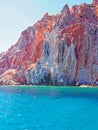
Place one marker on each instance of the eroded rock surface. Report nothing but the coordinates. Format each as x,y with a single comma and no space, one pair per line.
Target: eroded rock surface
57,50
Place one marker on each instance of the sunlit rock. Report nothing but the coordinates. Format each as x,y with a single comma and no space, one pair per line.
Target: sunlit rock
57,50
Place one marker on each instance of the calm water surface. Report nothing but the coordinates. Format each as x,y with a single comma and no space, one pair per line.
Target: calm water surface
48,108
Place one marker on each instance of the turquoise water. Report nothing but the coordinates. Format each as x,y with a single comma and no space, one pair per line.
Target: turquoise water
48,108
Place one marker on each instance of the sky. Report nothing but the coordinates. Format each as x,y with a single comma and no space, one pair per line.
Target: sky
17,15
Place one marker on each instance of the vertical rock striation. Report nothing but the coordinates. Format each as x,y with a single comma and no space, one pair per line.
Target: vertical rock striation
57,50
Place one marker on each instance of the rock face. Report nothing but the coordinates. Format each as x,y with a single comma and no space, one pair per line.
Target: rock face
57,50
95,1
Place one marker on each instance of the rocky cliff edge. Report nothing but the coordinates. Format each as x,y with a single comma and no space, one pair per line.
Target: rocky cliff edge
57,50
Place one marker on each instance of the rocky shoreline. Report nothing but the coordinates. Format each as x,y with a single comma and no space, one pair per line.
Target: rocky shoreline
25,85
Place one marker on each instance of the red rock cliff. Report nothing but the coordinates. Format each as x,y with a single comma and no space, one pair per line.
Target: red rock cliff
57,50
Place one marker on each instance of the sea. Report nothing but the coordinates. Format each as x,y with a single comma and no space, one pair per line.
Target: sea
48,108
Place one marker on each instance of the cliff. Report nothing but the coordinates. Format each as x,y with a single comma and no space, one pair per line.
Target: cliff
57,50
